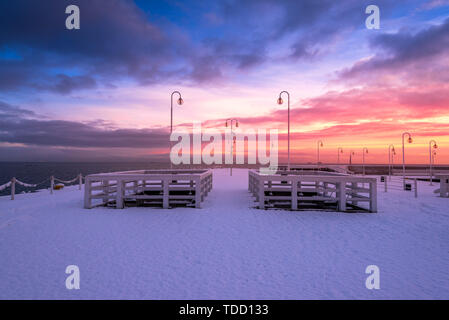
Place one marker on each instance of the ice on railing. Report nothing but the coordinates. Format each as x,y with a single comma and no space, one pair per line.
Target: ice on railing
5,186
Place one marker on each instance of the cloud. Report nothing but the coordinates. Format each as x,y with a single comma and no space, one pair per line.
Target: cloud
65,84
349,118
120,41
311,24
115,41
21,126
405,55
75,134
8,111
432,4
354,106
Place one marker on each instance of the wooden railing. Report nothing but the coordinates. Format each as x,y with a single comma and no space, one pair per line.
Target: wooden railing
321,190
164,188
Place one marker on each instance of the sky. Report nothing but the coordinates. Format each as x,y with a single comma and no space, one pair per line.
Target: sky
103,92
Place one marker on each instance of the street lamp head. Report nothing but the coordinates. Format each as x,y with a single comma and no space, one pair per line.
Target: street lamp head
321,143
341,150
366,150
236,123
280,101
410,140
435,146
180,101
226,124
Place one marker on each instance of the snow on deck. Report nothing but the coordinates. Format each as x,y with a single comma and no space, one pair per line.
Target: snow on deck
227,250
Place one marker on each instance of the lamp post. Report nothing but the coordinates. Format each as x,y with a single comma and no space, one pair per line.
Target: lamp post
365,150
410,140
350,156
280,101
432,143
391,154
339,150
433,158
180,102
318,145
231,121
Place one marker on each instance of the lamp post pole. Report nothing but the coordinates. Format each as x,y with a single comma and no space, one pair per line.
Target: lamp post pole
231,121
365,150
339,150
350,156
180,102
280,101
318,145
391,153
410,140
431,142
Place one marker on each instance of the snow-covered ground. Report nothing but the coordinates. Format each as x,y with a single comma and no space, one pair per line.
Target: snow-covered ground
227,250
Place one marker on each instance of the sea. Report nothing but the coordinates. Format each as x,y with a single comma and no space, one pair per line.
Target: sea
40,172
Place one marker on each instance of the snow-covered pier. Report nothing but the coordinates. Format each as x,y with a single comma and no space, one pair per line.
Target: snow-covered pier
226,250
166,188
313,190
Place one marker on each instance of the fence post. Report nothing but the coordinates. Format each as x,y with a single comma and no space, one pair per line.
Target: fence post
87,194
294,186
342,196
165,193
261,190
119,194
198,192
373,195
136,186
80,181
105,184
13,188
250,182
52,184
385,183
416,188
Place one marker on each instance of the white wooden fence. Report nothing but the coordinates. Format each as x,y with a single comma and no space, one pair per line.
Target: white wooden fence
444,185
164,188
296,190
